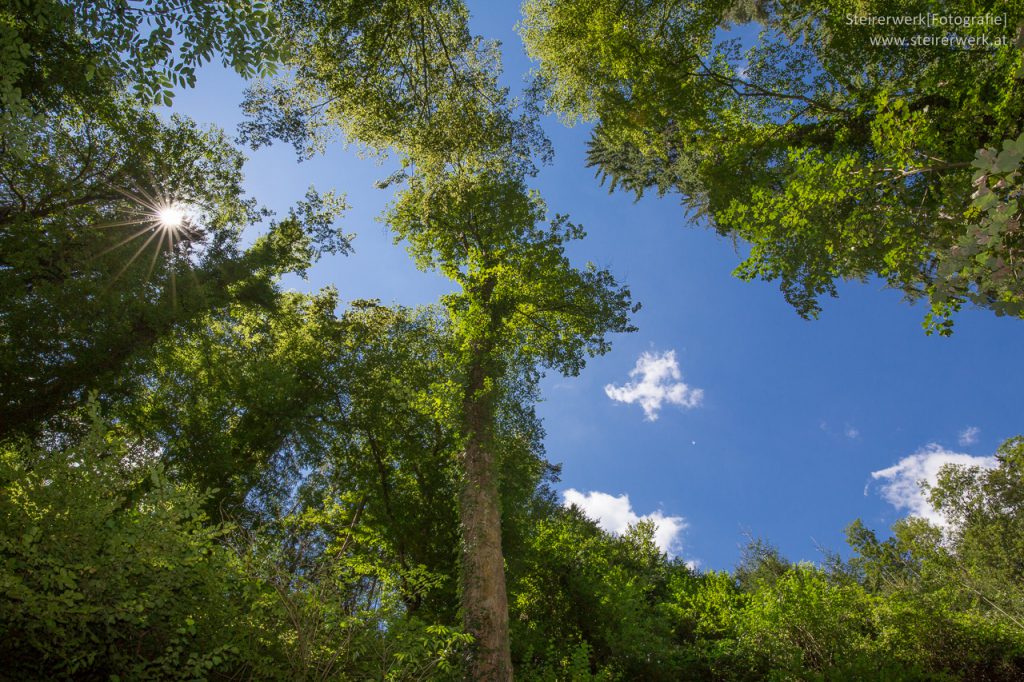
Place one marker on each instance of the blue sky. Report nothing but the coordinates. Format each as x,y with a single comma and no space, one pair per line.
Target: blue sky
794,416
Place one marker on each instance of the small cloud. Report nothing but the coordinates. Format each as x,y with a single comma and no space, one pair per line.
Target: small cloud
902,487
656,379
969,436
615,514
848,431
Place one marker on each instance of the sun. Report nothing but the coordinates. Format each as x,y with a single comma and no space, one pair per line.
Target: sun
165,223
170,217
159,219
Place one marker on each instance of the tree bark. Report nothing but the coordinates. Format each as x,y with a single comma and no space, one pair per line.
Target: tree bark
484,599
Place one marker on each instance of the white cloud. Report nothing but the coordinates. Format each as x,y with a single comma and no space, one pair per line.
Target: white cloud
615,514
969,436
848,431
656,379
902,487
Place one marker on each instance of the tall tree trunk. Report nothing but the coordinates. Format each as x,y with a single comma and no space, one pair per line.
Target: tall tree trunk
484,600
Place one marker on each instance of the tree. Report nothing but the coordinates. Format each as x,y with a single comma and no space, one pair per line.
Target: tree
100,580
78,53
93,276
976,553
117,227
952,593
521,303
242,400
591,605
985,512
397,76
93,587
834,157
410,78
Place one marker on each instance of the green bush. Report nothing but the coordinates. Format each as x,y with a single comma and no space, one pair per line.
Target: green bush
108,570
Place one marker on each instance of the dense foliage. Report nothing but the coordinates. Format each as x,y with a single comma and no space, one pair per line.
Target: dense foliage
791,127
203,476
104,576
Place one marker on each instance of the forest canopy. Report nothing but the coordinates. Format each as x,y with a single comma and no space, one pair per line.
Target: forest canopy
790,127
206,475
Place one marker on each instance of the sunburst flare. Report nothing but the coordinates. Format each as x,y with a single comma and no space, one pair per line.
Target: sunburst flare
171,217
164,222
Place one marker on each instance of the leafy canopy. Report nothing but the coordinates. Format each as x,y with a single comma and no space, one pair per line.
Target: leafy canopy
831,156
77,50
